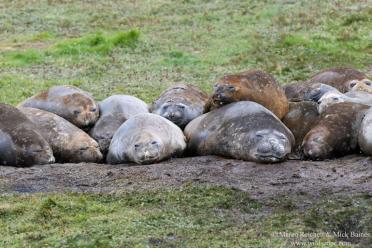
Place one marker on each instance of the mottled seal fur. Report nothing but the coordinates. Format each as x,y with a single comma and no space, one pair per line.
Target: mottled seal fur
339,78
336,133
20,142
254,85
114,111
243,130
69,143
144,139
365,134
302,116
180,104
69,102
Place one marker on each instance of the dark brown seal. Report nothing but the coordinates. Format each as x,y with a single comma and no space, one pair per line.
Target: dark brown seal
69,102
302,116
254,85
242,130
180,104
336,133
68,142
339,78
20,142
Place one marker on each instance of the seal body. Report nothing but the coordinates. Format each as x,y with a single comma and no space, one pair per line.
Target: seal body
331,98
254,85
69,102
365,134
361,85
144,139
20,142
339,78
302,116
243,130
180,104
114,111
336,133
316,91
68,142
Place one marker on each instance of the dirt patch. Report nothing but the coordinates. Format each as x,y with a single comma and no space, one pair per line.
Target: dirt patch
348,175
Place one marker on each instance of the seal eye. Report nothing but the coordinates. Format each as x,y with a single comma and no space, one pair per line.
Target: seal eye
368,83
93,110
259,136
231,88
335,98
136,146
76,112
154,142
352,84
181,107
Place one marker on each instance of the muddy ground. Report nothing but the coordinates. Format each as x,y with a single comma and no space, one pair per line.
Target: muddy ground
346,176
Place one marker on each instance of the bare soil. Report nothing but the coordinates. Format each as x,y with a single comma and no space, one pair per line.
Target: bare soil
348,175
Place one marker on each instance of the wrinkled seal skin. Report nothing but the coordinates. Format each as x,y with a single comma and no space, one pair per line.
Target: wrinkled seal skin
242,130
331,98
336,133
69,102
20,142
339,78
68,142
365,134
254,85
302,116
361,85
115,110
145,139
180,104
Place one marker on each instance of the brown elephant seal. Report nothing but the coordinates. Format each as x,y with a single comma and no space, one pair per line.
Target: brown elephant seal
180,104
241,130
69,102
361,85
68,142
144,139
20,142
302,116
365,134
331,98
339,78
114,111
254,85
336,133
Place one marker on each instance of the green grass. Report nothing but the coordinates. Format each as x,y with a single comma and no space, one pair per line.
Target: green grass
190,216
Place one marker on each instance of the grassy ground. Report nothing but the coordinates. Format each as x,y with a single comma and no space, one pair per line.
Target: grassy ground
140,48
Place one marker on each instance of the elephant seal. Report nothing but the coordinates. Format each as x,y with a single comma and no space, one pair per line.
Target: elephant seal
254,85
68,142
69,102
336,133
316,91
331,98
180,104
114,111
339,78
361,85
144,139
242,130
365,134
302,116
20,142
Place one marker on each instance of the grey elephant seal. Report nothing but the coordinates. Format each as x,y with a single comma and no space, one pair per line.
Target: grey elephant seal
114,111
180,104
302,116
331,98
242,130
336,133
365,134
316,91
254,85
144,139
339,78
20,142
68,142
69,102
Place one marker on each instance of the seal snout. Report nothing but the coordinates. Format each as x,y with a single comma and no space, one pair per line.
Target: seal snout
146,153
270,148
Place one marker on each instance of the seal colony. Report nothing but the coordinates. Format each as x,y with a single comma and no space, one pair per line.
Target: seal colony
248,116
